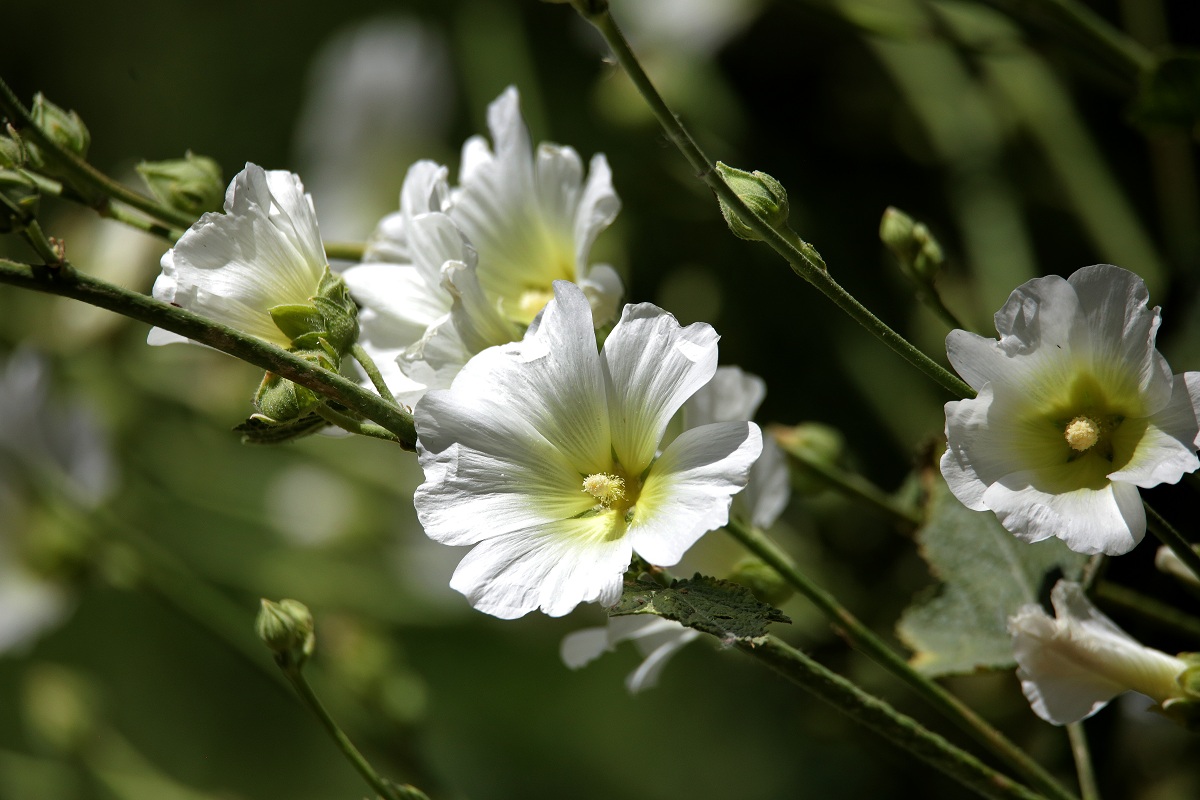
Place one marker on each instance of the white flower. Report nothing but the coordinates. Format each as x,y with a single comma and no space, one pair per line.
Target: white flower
458,270
1076,410
544,455
264,251
1072,665
733,395
656,638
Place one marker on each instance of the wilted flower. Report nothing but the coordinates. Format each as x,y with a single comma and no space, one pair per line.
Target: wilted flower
544,455
1076,410
265,251
1072,665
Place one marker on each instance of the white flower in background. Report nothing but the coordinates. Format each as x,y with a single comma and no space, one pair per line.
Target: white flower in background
1076,410
60,448
264,251
1072,665
544,455
432,298
656,638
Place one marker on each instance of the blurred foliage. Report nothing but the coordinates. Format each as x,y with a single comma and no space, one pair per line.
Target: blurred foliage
1011,141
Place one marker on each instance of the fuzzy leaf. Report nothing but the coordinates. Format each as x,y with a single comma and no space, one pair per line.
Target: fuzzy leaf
722,608
960,626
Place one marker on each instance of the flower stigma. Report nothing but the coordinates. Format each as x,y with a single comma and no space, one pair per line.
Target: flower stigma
606,488
530,303
1082,433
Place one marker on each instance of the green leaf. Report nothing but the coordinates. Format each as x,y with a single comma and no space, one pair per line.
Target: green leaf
262,430
722,608
987,574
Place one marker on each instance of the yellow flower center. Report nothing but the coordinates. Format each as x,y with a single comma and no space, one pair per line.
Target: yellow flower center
606,488
1082,433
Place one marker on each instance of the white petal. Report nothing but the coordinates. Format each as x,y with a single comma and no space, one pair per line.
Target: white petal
689,488
580,648
597,208
28,608
553,567
604,290
558,178
732,395
479,323
1039,314
647,673
769,487
1166,448
1034,505
398,304
652,367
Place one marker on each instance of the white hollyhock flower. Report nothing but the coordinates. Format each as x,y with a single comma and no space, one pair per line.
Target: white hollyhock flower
1071,665
263,251
458,270
656,638
1076,410
544,455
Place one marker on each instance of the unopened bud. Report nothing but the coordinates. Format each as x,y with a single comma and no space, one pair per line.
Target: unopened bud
19,203
192,184
764,195
813,446
280,400
287,630
912,244
65,128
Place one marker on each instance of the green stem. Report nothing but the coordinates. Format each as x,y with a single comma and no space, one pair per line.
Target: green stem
352,425
931,298
1088,788
865,641
803,260
1161,614
89,181
1167,534
853,485
79,286
368,364
385,788
345,251
880,717
32,233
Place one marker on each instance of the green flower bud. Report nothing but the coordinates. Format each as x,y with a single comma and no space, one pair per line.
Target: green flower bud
761,579
287,630
280,400
65,128
810,443
192,184
339,311
764,195
12,153
912,244
19,198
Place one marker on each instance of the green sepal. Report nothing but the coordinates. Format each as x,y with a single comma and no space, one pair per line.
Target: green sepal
764,195
259,429
280,400
722,608
286,628
20,200
192,184
339,311
920,254
296,319
64,128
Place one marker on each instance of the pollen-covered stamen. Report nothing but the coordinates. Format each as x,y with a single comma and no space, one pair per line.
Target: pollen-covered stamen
1082,433
606,488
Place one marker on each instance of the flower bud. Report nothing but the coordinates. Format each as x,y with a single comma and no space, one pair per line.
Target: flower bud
339,311
280,400
810,444
762,579
65,128
20,200
912,244
192,184
12,154
287,630
764,195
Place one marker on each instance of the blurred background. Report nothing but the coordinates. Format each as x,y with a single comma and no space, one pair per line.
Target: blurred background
137,533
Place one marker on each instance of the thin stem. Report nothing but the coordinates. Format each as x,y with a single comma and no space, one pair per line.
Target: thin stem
880,717
1167,534
1088,788
352,425
368,364
79,286
865,641
345,251
854,485
385,788
151,227
928,294
1155,611
89,181
803,259
32,233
